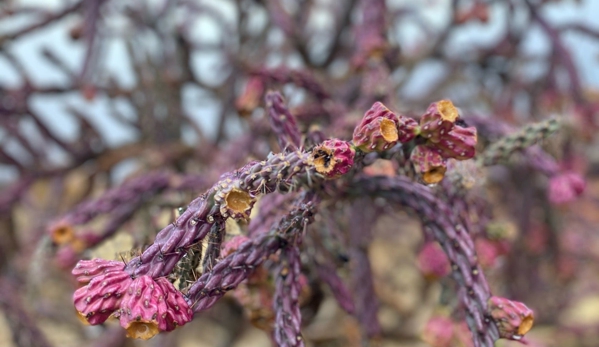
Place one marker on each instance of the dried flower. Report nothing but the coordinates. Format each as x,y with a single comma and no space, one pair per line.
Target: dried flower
438,120
429,164
234,201
333,158
459,143
513,318
380,129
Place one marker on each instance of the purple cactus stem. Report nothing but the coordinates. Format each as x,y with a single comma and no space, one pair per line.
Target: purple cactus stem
21,324
270,208
288,318
280,172
429,164
438,120
230,271
132,192
342,294
432,261
565,188
513,318
453,238
380,129
282,122
362,279
333,158
233,244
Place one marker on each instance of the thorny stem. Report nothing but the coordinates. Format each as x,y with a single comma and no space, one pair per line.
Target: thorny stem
236,267
278,173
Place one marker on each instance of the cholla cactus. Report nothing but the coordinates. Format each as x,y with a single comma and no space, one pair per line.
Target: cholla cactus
146,302
287,135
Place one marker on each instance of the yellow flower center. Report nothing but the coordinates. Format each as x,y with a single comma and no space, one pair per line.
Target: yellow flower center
389,130
447,110
238,201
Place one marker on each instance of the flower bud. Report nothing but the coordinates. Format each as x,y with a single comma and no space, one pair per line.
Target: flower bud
333,158
381,129
430,165
438,120
513,318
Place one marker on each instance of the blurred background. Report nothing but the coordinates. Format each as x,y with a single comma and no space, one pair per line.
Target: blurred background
162,96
